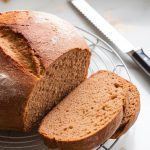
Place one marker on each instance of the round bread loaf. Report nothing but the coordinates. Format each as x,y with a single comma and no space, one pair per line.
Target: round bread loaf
42,59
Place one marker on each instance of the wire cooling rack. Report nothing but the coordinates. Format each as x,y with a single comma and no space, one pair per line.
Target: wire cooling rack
103,57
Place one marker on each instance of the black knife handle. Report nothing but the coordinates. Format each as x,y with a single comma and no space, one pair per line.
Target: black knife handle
142,60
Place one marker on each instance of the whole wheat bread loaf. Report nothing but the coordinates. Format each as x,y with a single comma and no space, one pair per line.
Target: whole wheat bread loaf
88,116
42,58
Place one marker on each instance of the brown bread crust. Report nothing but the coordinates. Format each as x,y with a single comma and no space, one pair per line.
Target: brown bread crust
14,90
49,37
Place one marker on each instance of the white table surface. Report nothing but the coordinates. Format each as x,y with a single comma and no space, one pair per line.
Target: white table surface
132,19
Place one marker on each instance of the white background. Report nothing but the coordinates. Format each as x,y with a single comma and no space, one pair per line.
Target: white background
132,19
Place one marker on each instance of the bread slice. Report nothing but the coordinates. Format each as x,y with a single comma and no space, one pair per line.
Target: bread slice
131,110
131,104
42,59
88,116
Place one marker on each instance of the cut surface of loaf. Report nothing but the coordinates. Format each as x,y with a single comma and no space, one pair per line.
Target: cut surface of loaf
42,58
88,116
67,72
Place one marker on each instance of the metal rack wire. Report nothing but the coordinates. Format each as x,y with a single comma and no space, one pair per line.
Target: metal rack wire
104,57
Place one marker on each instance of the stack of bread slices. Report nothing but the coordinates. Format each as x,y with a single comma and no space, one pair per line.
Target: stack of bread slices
43,68
102,107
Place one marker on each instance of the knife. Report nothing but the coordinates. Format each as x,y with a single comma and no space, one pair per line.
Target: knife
113,35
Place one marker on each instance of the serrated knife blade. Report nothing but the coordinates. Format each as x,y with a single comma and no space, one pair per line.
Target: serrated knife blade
113,35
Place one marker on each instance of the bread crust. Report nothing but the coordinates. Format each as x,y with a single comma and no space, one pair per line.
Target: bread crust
89,142
14,90
49,37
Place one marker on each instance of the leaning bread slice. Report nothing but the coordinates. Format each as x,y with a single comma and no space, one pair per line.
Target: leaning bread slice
88,116
131,111
131,104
